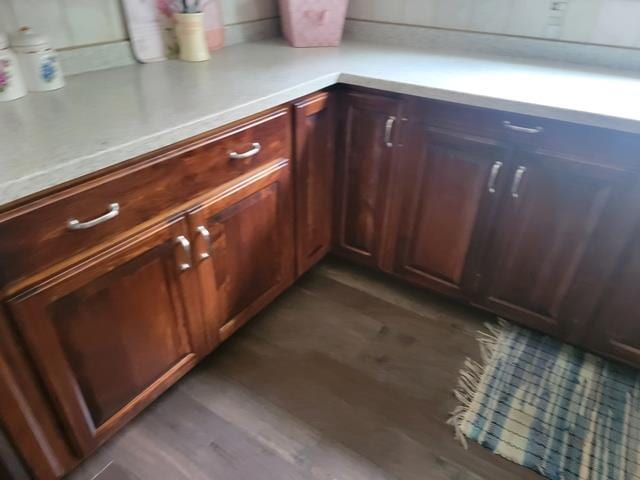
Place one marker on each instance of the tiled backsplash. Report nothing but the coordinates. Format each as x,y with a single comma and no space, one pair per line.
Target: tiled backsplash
74,23
604,22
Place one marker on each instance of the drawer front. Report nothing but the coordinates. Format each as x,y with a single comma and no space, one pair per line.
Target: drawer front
38,235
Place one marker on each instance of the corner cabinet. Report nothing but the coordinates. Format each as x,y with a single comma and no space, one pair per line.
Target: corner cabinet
370,128
244,248
111,334
314,136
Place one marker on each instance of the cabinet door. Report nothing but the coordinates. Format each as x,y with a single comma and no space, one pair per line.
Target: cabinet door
447,188
616,329
314,147
554,209
370,131
245,247
109,335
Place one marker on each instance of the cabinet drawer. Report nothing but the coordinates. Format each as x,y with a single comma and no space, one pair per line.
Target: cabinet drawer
37,235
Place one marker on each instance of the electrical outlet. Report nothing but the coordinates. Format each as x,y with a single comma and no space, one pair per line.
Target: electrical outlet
555,18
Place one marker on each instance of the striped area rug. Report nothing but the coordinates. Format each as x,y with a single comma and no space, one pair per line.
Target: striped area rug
553,408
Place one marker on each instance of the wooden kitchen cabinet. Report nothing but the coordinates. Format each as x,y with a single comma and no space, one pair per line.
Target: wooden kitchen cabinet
109,335
314,134
445,194
547,220
370,129
244,247
615,329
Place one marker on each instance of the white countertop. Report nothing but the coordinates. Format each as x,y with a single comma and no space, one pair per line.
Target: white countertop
102,118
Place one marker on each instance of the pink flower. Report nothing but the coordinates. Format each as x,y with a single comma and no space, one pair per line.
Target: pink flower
164,7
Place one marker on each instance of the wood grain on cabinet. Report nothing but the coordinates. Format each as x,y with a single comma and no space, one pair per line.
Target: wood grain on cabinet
245,247
11,467
35,236
548,218
615,329
26,413
370,129
445,195
109,335
314,135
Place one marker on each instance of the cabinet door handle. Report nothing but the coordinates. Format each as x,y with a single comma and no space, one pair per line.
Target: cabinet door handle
75,224
388,130
255,149
493,176
517,180
519,129
204,233
186,249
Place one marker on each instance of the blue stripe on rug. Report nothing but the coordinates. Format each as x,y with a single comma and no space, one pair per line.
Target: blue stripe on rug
550,407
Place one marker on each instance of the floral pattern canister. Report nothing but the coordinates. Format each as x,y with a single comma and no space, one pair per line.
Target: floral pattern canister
11,83
48,68
38,60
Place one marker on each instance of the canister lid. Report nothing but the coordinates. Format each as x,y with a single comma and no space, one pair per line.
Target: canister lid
4,41
27,38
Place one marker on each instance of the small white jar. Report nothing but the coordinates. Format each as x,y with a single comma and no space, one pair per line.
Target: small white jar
12,84
39,62
191,37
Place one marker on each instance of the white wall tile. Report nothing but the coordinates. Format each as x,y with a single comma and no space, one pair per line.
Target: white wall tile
528,18
580,20
453,13
618,23
419,12
94,21
46,17
8,21
491,15
238,11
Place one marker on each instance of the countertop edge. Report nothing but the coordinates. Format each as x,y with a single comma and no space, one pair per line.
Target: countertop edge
17,189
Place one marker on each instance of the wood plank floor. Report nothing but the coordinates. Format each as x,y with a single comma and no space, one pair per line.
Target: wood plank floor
347,376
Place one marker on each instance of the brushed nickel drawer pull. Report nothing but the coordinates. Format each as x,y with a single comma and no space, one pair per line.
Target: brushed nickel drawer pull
493,176
388,130
517,180
75,224
186,248
519,129
207,239
255,149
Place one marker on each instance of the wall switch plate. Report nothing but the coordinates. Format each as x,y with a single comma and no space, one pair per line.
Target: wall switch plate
555,18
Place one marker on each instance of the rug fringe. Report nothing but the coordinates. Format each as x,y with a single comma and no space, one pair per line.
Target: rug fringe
471,376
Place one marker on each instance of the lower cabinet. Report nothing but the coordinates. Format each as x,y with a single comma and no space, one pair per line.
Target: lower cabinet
615,330
370,128
244,247
445,193
550,213
314,120
111,334
514,214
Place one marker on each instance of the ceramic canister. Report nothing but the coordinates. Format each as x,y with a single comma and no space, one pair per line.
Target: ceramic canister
12,84
191,37
39,62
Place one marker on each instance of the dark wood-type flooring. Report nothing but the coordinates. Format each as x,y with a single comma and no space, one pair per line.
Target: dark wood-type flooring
347,376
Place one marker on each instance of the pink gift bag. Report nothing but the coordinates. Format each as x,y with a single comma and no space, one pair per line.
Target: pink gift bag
313,23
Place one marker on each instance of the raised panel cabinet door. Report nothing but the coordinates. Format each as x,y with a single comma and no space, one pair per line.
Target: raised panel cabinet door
447,188
554,208
616,327
244,247
368,134
109,335
314,149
